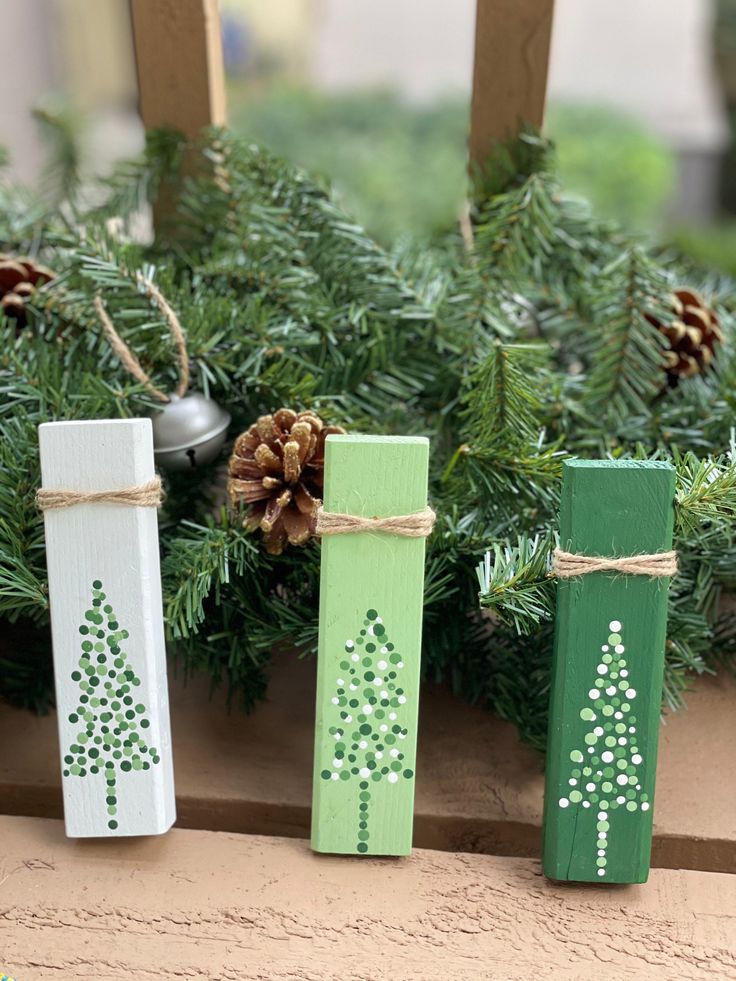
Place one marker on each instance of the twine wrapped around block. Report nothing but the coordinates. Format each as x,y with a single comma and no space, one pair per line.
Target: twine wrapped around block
566,565
148,495
416,525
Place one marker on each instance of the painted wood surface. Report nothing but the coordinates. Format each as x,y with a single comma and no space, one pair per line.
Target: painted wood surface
107,631
512,41
607,675
181,81
202,905
178,52
371,592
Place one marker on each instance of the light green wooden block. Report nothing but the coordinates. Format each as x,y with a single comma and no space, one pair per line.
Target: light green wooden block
371,594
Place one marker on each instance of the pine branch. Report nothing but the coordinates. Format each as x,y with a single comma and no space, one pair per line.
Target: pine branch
689,638
510,674
504,455
626,359
517,228
706,491
135,184
61,130
197,567
721,652
503,402
515,582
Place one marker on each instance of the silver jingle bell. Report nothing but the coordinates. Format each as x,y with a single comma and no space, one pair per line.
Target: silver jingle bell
188,432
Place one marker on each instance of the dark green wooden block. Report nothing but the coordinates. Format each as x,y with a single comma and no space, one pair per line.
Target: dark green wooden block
607,675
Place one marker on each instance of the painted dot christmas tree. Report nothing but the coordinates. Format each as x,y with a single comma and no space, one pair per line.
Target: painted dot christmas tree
370,734
109,715
606,774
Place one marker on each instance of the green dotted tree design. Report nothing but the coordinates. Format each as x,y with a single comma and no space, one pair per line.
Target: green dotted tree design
607,773
108,714
369,737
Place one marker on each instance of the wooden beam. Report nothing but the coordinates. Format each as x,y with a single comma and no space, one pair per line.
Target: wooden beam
478,789
512,40
178,52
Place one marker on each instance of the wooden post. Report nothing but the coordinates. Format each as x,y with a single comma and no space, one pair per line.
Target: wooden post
607,674
371,599
107,631
178,53
181,79
512,39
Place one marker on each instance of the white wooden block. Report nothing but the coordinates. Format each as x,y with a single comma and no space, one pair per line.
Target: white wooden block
108,636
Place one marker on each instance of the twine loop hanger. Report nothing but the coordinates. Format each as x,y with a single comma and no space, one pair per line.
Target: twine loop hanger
150,494
128,359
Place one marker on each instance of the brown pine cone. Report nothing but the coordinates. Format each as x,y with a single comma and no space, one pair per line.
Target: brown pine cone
277,467
693,334
19,278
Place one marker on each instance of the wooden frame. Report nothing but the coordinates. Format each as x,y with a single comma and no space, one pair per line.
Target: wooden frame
181,77
512,41
178,53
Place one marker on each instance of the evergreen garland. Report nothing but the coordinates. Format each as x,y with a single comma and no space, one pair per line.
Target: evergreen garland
533,343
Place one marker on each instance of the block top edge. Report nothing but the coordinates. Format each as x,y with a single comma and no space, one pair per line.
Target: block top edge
76,423
577,464
386,440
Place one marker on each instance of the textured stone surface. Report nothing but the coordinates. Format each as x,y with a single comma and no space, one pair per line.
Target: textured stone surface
216,906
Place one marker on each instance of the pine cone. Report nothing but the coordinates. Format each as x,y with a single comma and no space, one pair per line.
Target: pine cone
277,467
693,334
19,278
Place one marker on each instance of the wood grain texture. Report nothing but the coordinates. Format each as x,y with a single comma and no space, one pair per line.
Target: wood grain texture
478,789
371,593
107,628
220,907
512,39
607,674
181,78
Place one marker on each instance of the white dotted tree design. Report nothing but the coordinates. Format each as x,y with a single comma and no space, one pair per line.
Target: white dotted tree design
369,737
606,773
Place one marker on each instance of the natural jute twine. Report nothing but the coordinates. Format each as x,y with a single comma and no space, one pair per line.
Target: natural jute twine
569,564
128,358
147,495
417,525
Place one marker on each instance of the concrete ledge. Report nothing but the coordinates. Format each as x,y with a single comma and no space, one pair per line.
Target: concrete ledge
215,906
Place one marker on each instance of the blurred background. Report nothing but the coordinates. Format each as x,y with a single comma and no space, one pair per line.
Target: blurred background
375,97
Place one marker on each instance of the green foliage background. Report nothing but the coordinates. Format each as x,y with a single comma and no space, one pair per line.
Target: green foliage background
530,344
400,168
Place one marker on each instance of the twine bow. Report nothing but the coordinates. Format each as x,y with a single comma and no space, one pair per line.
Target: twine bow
417,525
569,564
148,495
